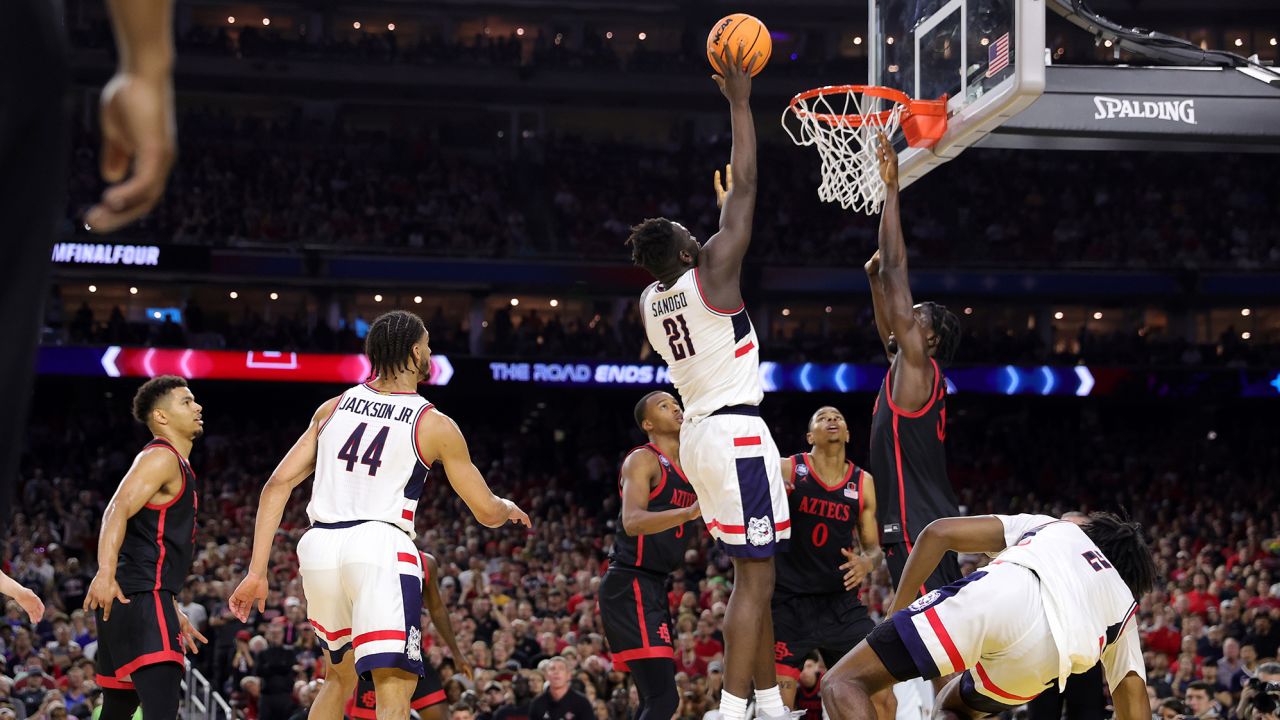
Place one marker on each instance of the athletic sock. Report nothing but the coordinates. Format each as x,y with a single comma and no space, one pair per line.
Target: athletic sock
769,702
733,707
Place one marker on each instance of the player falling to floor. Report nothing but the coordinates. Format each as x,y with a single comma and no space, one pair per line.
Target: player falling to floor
909,423
428,697
833,511
145,548
695,318
1057,598
370,449
658,507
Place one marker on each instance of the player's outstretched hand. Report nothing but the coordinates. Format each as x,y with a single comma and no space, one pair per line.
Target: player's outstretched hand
722,190
519,516
138,134
188,634
855,569
733,74
30,602
102,592
252,588
888,158
464,667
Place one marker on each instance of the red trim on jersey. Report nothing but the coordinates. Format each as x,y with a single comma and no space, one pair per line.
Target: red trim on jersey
933,392
944,637
902,495
408,558
644,629
674,465
848,473
376,636
417,450
429,700
662,483
744,349
160,557
639,550
154,658
107,681
742,529
745,441
986,683
406,514
182,467
380,392
164,626
702,296
645,653
862,476
332,412
330,636
786,671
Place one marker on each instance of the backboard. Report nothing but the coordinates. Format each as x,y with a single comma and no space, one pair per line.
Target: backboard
986,56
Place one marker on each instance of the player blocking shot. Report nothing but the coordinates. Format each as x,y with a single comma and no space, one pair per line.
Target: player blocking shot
835,545
1056,599
695,318
370,449
658,505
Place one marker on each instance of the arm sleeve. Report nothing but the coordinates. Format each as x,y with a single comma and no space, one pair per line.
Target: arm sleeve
1123,657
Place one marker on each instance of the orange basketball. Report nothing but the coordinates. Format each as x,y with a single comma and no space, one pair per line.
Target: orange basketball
740,26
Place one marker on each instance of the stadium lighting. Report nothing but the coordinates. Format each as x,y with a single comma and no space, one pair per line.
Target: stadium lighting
356,25
985,42
274,296
391,27
828,309
1246,335
233,294
266,21
515,302
554,303
608,35
786,312
417,299
231,19
93,288
643,36
559,38
1245,312
1273,42
520,32
1097,316
857,39
133,291
968,311
377,298
1239,42
1058,315
1213,435
156,315
889,40
1106,43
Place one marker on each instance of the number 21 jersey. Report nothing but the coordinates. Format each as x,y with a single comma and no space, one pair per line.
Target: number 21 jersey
368,463
712,353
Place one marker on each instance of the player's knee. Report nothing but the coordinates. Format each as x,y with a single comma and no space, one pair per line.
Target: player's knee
754,576
842,683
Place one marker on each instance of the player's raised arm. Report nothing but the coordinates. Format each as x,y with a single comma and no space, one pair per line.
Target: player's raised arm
639,473
297,465
434,604
872,267
151,470
722,256
861,564
442,434
961,534
897,301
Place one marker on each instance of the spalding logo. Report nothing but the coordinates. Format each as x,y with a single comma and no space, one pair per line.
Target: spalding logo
928,599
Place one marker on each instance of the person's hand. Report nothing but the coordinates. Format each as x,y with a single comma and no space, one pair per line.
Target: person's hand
462,665
856,569
516,515
888,158
252,587
722,190
733,75
873,265
693,512
29,601
139,144
188,635
102,592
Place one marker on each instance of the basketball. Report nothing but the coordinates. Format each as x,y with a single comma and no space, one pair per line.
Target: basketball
740,26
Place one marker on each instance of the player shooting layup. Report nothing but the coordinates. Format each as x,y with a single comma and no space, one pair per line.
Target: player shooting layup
370,449
695,318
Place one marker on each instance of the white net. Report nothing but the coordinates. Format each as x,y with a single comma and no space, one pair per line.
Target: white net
845,142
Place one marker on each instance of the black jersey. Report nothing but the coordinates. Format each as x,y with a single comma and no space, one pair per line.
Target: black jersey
661,552
909,463
824,519
160,539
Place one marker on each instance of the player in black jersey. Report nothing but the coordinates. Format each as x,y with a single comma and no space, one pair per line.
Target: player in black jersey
909,422
658,505
835,544
144,557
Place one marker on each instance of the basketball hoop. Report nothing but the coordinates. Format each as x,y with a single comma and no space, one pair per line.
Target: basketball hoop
843,120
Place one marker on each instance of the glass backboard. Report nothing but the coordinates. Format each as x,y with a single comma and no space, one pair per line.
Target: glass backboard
985,56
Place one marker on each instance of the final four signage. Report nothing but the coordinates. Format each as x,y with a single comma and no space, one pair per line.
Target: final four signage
105,254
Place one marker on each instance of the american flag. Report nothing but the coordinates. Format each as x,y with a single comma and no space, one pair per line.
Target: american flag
998,55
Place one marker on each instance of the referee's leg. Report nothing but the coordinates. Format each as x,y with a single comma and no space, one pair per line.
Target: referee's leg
33,165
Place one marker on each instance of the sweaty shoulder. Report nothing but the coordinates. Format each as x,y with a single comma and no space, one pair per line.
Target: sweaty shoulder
640,463
158,459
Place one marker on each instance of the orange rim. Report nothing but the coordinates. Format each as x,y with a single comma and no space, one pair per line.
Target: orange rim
851,119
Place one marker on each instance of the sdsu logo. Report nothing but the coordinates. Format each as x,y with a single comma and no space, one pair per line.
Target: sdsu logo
413,645
759,531
929,598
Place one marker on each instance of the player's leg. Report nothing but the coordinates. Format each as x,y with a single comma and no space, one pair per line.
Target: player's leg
847,688
429,700
850,625
329,611
394,688
792,643
339,684
118,703
952,705
158,687
380,566
655,680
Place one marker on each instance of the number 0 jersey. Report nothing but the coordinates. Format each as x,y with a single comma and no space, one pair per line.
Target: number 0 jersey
824,517
712,353
368,463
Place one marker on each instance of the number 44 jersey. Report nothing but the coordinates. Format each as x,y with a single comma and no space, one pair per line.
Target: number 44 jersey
712,352
368,463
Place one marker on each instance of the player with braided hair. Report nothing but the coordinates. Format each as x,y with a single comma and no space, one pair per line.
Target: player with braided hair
370,449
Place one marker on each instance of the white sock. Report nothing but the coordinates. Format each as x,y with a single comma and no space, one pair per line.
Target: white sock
769,702
733,707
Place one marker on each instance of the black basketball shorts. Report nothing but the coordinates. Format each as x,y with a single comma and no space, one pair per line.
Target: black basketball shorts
637,621
831,623
143,632
364,704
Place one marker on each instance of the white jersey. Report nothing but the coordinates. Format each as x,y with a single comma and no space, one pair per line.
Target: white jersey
1089,608
712,353
368,463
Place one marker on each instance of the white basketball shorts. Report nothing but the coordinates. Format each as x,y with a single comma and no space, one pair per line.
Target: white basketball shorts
732,463
363,582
